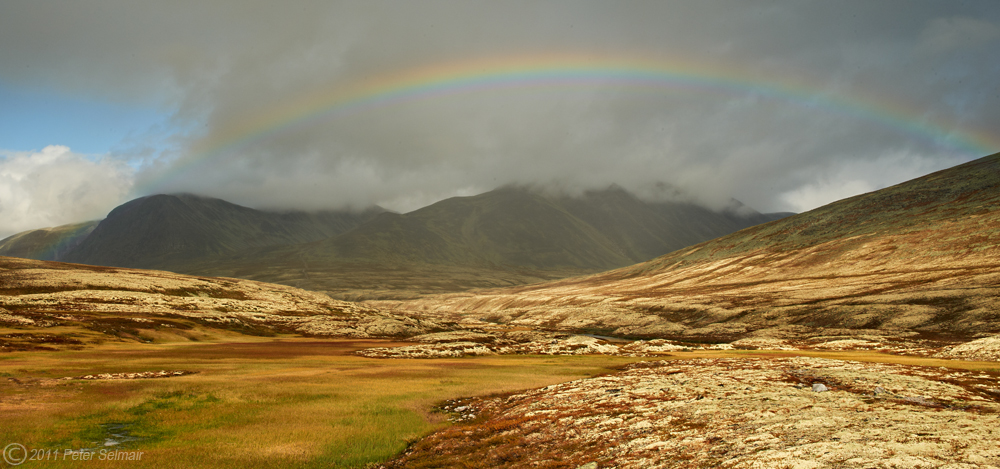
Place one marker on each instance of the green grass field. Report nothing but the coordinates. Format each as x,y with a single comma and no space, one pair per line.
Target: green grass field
287,402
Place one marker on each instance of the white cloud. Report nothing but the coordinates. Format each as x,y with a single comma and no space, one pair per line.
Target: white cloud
819,193
56,186
846,178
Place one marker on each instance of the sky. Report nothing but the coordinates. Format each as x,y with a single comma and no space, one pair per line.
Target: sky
784,105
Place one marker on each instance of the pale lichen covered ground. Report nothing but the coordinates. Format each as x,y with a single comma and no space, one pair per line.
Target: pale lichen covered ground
984,349
36,294
734,413
497,340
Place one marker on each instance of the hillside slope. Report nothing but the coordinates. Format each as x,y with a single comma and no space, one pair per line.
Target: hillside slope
47,244
922,256
49,304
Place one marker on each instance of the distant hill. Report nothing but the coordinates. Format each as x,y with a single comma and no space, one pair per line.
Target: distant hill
506,236
46,244
921,256
168,231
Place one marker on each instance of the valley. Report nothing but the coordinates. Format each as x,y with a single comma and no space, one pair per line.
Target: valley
246,401
860,334
562,234
921,257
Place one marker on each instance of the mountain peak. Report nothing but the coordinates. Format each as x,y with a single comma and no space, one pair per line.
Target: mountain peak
164,230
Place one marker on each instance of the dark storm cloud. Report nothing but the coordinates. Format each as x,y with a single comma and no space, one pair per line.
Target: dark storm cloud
215,65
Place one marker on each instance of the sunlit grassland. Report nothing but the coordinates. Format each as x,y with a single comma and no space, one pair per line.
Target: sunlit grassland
287,402
275,402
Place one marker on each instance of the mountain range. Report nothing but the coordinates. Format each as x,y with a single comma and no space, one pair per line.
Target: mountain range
919,259
922,257
508,236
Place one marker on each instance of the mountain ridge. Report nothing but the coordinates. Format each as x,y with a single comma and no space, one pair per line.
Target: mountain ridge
922,256
511,235
508,235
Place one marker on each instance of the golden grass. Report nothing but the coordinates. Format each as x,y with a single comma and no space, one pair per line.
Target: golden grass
253,403
277,402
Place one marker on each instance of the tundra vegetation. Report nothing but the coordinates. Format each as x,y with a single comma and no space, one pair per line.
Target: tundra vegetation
861,334
247,401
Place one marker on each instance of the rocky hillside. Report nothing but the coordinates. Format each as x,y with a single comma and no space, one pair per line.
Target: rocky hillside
921,256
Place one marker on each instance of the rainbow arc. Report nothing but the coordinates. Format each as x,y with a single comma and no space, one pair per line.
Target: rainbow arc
561,70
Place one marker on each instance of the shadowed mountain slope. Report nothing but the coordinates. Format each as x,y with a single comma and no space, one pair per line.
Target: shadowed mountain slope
167,231
504,237
920,256
47,244
507,226
642,230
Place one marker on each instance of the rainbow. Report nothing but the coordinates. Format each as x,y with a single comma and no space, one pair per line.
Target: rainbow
562,70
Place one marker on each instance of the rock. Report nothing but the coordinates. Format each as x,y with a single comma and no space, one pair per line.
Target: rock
140,375
879,390
820,387
453,336
589,465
